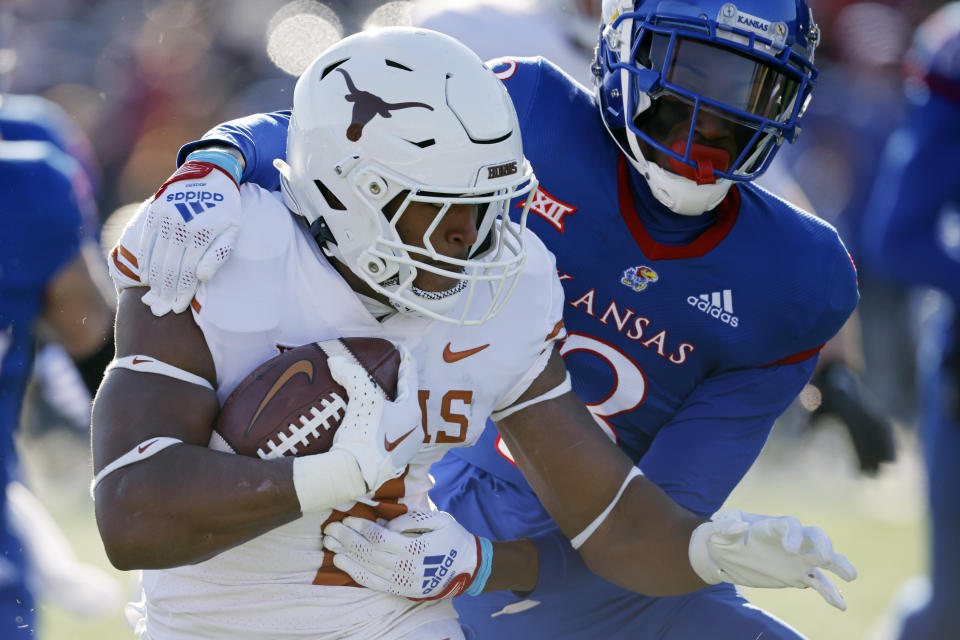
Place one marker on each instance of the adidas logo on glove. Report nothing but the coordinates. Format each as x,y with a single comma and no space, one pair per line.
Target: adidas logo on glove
197,201
435,568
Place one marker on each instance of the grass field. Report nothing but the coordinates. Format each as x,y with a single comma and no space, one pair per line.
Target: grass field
877,522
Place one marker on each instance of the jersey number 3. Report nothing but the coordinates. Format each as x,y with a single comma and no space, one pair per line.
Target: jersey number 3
629,386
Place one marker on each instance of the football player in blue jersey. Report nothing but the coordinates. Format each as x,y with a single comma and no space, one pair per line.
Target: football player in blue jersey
911,232
45,280
697,301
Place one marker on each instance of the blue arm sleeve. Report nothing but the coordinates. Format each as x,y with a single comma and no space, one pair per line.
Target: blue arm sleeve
917,178
260,138
702,453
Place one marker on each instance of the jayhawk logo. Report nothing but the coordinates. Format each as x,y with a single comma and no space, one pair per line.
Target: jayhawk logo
637,278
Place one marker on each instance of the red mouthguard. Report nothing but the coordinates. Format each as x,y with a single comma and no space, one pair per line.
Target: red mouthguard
707,159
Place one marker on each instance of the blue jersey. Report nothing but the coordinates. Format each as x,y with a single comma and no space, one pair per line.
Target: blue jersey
41,225
688,336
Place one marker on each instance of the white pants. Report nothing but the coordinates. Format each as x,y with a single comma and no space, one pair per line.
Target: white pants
442,629
436,630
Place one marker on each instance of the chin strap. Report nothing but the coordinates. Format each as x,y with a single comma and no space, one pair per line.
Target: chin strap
679,194
321,233
682,195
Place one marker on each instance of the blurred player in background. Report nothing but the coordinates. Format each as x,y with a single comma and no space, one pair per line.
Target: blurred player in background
404,155
562,31
49,263
67,385
696,302
912,233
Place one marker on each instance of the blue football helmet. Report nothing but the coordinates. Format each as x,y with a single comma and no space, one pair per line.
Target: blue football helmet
711,88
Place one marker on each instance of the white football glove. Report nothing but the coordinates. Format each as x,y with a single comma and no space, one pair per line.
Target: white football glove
421,555
765,551
382,436
190,228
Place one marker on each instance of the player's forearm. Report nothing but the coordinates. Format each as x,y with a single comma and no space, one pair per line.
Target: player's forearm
259,138
515,566
188,503
643,545
571,465
576,471
223,147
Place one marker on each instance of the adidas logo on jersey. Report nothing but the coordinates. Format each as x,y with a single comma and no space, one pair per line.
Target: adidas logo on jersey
718,304
435,568
197,201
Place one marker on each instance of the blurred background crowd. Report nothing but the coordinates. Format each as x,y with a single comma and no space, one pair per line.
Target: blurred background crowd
139,78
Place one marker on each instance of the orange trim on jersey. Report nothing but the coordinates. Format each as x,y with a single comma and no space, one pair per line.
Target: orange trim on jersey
389,507
727,212
196,306
132,259
122,268
795,358
557,328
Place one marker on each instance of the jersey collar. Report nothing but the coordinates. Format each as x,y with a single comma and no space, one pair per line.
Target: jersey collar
726,211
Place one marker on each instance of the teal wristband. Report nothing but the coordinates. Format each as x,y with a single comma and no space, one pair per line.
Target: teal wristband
220,158
483,571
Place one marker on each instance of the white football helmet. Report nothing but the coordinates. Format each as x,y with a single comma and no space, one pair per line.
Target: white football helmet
403,110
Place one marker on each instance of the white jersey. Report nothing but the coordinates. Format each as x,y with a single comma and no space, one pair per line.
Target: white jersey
278,291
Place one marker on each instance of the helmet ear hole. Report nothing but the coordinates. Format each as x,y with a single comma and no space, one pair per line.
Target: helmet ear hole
486,241
390,208
332,201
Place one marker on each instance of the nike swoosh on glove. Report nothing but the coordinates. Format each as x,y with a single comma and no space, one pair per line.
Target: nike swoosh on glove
382,436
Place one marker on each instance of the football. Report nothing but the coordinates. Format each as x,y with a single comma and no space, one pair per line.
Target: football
292,406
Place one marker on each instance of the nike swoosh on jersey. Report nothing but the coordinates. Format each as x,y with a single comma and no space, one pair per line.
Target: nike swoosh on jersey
390,446
449,355
144,447
300,366
140,360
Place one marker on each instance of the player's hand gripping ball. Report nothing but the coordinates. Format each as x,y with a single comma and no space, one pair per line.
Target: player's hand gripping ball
292,406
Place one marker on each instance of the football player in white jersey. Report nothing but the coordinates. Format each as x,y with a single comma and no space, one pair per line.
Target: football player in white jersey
403,157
